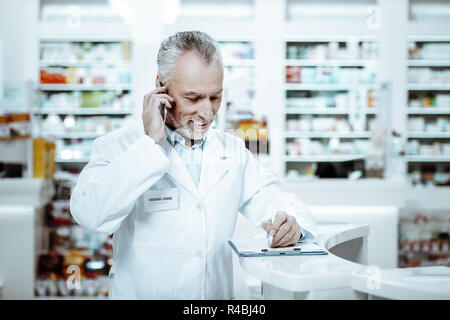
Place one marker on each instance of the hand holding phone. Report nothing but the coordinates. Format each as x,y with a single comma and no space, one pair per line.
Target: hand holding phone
154,113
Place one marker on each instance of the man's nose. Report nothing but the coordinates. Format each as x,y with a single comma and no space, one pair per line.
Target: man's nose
205,110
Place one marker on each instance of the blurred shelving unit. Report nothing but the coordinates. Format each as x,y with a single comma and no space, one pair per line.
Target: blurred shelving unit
72,160
424,225
331,91
18,151
84,87
428,110
341,111
428,159
16,143
85,91
238,114
325,158
327,87
327,134
83,111
434,110
85,63
73,135
428,134
239,63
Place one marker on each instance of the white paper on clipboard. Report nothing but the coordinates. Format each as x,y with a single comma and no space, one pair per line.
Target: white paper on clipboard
257,247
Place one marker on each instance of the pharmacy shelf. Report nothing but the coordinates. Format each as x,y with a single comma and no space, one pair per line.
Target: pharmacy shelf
45,40
328,90
73,135
324,158
69,298
329,37
333,63
80,160
326,111
428,87
328,87
428,135
82,111
428,158
436,87
328,134
15,150
428,110
26,191
428,63
84,87
428,38
86,63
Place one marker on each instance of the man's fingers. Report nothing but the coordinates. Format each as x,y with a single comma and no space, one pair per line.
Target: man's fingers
292,240
283,231
167,103
165,96
266,225
161,100
285,236
160,89
280,218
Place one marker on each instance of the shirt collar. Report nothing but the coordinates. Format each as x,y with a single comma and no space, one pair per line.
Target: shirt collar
174,137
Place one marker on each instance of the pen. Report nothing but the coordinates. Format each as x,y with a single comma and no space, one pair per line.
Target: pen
165,114
269,237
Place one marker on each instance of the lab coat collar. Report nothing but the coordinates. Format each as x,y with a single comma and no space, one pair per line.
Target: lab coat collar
213,167
214,162
177,170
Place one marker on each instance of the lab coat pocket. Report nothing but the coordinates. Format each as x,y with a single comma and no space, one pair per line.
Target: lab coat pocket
159,229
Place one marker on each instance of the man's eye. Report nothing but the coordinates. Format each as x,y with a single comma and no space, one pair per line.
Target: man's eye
193,99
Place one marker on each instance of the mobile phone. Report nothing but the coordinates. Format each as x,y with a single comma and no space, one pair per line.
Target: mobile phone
162,107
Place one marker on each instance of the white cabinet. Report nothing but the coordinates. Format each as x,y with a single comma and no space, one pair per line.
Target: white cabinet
22,229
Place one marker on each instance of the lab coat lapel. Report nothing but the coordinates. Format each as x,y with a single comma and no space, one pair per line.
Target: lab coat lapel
214,164
178,171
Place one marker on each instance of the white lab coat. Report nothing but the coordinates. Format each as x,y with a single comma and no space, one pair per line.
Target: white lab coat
180,253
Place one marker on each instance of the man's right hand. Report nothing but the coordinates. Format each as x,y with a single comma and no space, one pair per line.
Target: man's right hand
151,114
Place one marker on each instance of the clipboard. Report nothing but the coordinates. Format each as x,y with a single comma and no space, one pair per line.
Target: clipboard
260,248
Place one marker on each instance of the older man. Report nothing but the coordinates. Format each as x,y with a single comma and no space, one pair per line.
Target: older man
170,188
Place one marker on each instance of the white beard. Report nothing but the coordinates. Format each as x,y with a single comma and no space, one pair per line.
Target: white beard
184,130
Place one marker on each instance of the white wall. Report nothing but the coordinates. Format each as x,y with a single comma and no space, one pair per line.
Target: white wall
17,229
393,57
18,32
269,73
1,68
383,229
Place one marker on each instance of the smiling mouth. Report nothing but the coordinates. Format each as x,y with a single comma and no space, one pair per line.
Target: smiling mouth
199,126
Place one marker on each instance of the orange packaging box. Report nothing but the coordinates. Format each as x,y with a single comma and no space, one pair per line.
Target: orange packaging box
4,127
20,125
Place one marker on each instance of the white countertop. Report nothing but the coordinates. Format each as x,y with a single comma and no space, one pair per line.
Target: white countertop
425,283
25,191
327,272
305,273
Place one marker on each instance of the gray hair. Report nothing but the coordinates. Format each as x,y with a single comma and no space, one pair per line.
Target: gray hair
174,46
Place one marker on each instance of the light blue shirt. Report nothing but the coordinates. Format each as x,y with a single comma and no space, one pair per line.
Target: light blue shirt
192,158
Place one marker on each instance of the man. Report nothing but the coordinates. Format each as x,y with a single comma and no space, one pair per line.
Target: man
170,189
